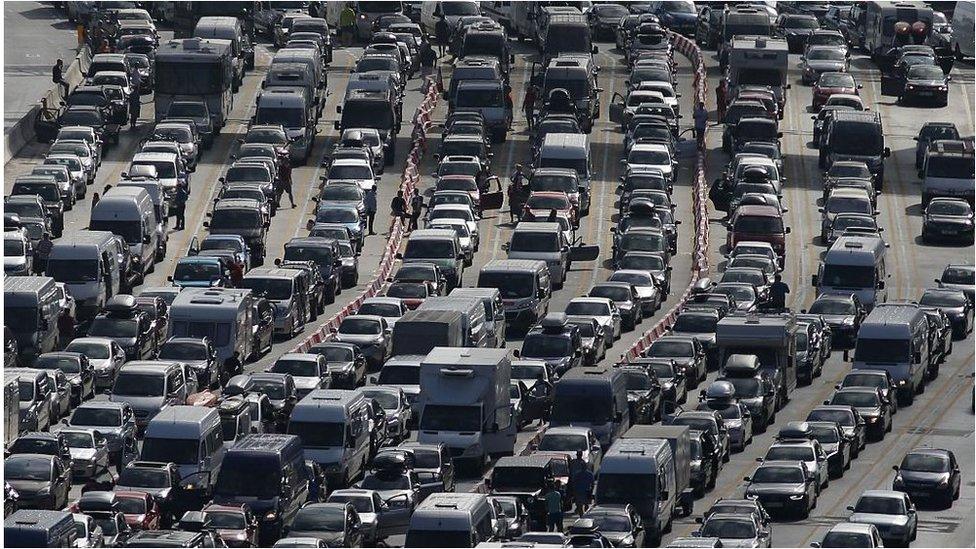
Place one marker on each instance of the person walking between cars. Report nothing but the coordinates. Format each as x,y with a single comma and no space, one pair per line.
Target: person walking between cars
416,204
582,486
369,207
135,109
777,293
236,269
95,199
42,252
554,508
57,76
347,24
427,59
442,34
180,210
398,210
233,366
528,106
701,122
286,189
515,193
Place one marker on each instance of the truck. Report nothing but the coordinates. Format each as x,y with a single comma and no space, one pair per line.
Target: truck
418,332
771,337
465,403
644,473
196,69
759,61
679,438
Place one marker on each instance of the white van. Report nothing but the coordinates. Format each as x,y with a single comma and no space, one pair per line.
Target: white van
963,20
225,315
156,193
90,266
494,311
189,436
473,311
129,212
855,264
333,425
569,150
449,519
228,28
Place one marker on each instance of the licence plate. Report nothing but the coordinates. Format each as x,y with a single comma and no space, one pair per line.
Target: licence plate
949,231
772,504
924,93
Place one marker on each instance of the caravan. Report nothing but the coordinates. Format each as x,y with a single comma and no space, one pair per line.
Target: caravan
225,315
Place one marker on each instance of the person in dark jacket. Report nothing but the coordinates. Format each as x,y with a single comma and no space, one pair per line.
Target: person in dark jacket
443,35
180,207
398,210
57,76
135,108
416,204
369,208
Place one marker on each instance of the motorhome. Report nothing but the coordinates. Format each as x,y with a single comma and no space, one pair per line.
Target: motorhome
222,314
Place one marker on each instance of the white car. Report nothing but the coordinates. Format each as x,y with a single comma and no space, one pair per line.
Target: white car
106,357
651,155
456,211
572,440
602,309
460,226
351,170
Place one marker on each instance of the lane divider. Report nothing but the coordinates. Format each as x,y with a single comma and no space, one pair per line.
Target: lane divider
411,178
699,264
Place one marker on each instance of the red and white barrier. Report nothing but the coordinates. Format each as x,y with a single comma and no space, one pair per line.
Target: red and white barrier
699,265
409,180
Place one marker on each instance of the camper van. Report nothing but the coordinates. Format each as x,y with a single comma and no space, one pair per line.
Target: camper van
333,425
447,519
525,286
224,315
641,472
89,263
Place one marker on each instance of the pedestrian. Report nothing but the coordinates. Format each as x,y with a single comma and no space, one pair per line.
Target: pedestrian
577,464
528,106
701,122
398,210
720,103
442,34
236,269
103,47
233,365
42,252
554,508
552,216
515,193
583,490
66,327
95,199
57,75
416,204
286,188
284,179
136,83
347,24
427,59
179,201
369,203
777,293
135,108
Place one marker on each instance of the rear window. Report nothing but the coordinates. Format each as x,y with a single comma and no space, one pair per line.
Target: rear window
758,224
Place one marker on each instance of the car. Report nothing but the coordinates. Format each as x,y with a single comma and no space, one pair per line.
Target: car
512,513
700,323
89,452
959,277
789,447
573,440
850,534
160,480
688,354
929,132
36,442
848,419
831,83
870,404
593,337
811,353
893,513
843,200
199,354
41,481
861,223
737,421
105,355
843,314
335,523
309,371
370,333
346,361
396,410
878,379
236,526
710,421
783,488
948,219
625,297
928,473
139,509
654,263
621,524
674,390
940,338
820,59
735,530
925,83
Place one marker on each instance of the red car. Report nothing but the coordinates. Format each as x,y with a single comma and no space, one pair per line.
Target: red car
466,183
541,203
140,510
830,83
758,223
235,525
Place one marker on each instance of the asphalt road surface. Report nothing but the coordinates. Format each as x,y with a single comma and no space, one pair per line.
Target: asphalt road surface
940,417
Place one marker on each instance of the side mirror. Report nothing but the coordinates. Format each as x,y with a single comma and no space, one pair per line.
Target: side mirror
850,507
847,355
886,153
747,479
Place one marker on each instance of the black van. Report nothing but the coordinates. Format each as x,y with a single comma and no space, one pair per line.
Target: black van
36,528
267,472
566,34
858,136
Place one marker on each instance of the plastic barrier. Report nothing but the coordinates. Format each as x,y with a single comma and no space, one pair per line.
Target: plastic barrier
409,180
699,265
22,132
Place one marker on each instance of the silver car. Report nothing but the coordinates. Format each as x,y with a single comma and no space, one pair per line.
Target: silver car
893,513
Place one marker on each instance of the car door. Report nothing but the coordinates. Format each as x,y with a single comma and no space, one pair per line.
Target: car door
60,481
427,483
393,515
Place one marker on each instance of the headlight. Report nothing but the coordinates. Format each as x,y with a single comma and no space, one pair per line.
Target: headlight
943,483
902,382
872,419
272,515
910,87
